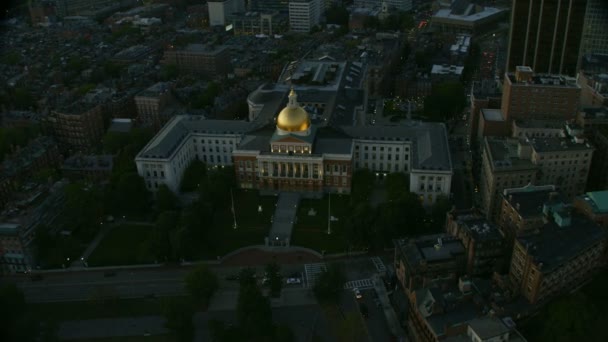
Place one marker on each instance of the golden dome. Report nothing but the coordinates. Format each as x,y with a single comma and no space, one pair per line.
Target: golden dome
293,118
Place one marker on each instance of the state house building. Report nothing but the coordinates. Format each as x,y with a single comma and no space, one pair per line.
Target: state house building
292,152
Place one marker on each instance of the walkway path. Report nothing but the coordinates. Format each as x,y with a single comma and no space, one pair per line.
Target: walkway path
284,217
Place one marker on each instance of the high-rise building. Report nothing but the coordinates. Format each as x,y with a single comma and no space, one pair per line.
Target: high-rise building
304,14
595,39
546,35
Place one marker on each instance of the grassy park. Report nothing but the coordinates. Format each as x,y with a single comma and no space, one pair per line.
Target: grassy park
252,225
123,245
311,230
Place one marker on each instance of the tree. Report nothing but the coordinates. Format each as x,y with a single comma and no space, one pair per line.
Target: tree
194,175
438,213
168,72
275,281
363,185
113,142
165,199
253,309
397,184
337,15
201,283
447,100
349,328
131,195
15,323
329,285
178,313
160,239
83,209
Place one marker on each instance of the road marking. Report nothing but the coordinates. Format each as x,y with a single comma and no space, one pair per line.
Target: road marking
378,264
312,272
361,284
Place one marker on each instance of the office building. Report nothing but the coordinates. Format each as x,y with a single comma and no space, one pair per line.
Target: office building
484,244
524,210
546,35
304,14
527,95
595,39
419,261
465,17
220,11
565,253
513,163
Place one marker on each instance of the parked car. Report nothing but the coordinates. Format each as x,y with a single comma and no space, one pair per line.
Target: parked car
294,281
358,294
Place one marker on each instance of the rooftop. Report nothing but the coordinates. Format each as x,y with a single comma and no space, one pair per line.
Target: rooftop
553,144
428,139
554,245
430,248
528,201
468,14
439,69
598,200
504,155
546,80
492,114
156,90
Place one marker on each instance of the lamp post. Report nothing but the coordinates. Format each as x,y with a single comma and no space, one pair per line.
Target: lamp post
233,212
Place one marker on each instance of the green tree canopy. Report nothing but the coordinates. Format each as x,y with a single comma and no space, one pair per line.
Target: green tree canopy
131,195
447,100
201,284
160,242
166,199
275,281
337,14
253,310
194,175
362,186
15,323
329,285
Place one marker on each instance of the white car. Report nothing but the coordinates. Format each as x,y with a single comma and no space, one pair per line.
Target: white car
357,293
294,281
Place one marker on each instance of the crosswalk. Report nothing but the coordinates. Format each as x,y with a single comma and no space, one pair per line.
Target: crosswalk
312,272
361,284
378,264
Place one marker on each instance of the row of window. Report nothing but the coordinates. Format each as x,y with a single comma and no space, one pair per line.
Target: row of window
381,148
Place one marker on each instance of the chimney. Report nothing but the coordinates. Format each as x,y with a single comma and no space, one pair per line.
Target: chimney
523,74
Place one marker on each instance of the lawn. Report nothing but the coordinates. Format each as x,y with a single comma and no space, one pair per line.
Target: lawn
124,245
67,311
311,231
252,225
154,338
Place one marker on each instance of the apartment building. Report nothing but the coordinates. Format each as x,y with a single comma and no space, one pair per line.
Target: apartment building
565,253
527,95
513,163
200,59
484,244
419,261
502,168
595,124
152,103
524,209
77,127
220,11
304,14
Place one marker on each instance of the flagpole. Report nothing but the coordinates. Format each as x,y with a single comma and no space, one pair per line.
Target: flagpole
233,212
329,215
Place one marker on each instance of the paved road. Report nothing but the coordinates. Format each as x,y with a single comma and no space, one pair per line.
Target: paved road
159,281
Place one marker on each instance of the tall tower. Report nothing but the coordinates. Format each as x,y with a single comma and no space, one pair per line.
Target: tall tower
595,36
546,35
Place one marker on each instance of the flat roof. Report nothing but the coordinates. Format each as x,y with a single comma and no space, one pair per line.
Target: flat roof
553,246
492,114
598,201
551,144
